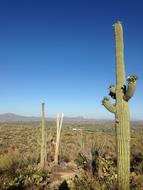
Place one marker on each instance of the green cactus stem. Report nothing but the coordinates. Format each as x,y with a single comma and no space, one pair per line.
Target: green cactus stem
121,110
131,87
110,107
43,142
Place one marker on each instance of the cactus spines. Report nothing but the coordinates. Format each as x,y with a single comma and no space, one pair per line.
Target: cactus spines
121,110
43,142
59,126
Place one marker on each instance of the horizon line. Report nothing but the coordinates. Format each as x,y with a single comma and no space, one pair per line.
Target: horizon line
53,117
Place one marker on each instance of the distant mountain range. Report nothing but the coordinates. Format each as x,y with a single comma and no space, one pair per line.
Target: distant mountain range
10,117
14,117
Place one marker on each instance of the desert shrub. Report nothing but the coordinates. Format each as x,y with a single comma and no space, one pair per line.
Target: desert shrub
82,161
10,162
104,173
85,182
27,177
88,182
136,181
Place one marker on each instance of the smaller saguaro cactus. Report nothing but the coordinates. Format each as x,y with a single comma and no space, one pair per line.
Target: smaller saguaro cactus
59,126
43,140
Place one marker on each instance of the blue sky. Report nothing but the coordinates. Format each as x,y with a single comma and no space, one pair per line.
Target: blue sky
62,53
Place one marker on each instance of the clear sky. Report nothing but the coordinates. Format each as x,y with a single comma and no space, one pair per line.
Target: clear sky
62,53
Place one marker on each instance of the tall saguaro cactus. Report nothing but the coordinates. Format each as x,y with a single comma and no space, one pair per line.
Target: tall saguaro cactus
43,143
59,126
121,94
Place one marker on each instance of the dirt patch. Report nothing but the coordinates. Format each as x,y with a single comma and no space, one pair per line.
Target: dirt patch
61,174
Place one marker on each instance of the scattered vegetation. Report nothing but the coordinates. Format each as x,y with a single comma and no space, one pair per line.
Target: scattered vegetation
87,157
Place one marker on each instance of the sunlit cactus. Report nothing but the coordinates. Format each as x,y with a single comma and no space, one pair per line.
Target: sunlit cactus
43,140
59,127
121,94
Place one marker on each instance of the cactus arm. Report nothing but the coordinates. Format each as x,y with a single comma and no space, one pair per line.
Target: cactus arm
110,107
112,91
131,87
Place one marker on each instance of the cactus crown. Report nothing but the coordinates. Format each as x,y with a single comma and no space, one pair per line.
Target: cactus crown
132,78
118,22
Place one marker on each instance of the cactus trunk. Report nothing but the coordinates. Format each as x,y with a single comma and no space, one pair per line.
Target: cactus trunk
59,126
121,115
43,143
123,146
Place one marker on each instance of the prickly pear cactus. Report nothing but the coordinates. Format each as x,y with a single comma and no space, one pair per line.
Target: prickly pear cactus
121,94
